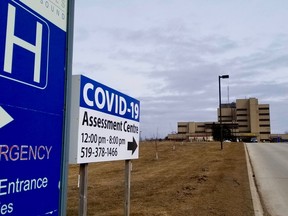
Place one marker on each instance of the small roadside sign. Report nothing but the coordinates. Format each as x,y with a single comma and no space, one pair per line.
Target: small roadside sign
104,123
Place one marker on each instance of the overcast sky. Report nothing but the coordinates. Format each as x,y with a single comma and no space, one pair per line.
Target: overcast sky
168,54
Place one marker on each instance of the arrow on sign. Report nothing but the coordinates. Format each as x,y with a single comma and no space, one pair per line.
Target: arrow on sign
132,145
5,118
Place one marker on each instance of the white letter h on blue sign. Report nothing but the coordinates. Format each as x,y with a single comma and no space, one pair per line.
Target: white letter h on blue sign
11,39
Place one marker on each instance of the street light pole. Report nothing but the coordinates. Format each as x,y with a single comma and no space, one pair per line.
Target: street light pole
220,110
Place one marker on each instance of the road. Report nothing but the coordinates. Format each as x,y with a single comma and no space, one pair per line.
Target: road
270,165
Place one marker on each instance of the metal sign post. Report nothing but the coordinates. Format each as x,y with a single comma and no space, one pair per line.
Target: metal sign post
83,173
65,152
128,167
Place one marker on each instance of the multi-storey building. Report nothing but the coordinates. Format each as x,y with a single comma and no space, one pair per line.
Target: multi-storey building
246,119
252,118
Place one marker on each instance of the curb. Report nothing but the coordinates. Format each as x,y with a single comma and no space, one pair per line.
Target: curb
258,210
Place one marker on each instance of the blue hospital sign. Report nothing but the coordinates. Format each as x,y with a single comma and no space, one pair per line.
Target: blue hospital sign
32,95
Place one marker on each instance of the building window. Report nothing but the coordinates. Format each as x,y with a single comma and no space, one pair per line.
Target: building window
240,109
241,114
264,132
265,125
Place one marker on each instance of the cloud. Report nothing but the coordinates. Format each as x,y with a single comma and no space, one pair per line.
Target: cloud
169,54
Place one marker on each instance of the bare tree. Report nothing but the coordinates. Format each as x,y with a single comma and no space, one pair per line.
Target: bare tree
156,145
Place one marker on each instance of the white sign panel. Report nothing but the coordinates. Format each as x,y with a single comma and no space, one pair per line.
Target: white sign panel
53,10
104,123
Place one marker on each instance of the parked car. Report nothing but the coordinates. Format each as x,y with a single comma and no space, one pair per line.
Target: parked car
226,141
254,140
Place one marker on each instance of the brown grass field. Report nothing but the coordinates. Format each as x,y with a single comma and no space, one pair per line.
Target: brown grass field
187,179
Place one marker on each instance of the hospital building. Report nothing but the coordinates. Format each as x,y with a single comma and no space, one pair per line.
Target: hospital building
245,119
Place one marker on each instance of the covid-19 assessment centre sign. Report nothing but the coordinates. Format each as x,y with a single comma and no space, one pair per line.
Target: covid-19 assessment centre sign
32,100
104,123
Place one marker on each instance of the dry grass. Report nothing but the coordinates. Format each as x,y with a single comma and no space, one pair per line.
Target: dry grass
187,179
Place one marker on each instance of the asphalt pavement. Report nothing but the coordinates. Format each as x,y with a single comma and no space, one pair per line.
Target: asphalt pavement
270,166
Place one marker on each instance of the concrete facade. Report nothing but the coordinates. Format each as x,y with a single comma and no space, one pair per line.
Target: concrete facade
245,118
253,119
193,131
